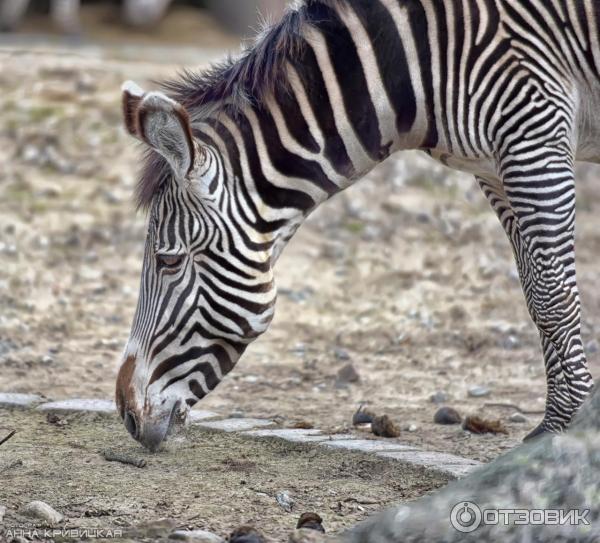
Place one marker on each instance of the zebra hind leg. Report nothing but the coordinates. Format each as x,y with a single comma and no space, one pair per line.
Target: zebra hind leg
553,301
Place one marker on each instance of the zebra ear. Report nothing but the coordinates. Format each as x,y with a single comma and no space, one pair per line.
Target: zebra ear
161,123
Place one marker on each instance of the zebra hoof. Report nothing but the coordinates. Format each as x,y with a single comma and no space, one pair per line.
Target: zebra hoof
539,431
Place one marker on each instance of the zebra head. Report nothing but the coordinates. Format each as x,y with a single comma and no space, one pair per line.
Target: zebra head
206,290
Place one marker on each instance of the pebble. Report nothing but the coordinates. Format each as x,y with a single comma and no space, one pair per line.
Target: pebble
511,342
478,392
519,418
341,354
42,511
592,347
311,521
246,534
439,397
304,535
447,415
362,416
196,536
411,428
285,501
348,374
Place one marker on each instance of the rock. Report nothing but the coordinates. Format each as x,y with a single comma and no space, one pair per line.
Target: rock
341,354
447,415
246,534
348,374
412,428
439,397
2,512
310,521
42,511
384,427
592,347
510,343
306,536
362,416
196,536
519,418
478,392
285,501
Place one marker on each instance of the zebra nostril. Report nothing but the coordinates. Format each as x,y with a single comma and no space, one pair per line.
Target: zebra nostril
131,424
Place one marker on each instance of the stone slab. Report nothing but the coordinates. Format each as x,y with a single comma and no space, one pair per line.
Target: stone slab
13,399
369,445
297,435
235,425
82,404
196,415
456,466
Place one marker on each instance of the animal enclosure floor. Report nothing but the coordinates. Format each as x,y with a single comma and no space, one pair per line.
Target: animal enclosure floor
209,480
407,277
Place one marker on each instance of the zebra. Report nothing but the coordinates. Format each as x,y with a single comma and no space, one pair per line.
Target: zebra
239,155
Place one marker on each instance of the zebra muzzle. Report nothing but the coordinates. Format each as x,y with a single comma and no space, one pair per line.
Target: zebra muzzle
155,429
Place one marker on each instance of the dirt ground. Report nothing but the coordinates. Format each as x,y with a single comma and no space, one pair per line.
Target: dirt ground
407,276
63,464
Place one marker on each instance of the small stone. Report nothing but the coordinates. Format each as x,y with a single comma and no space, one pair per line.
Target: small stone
42,511
310,521
348,374
519,418
196,536
246,534
285,501
438,397
510,343
447,415
412,428
384,427
362,416
304,535
478,392
341,354
592,347
47,360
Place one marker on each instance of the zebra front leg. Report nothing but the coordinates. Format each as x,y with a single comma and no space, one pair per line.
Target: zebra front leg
568,379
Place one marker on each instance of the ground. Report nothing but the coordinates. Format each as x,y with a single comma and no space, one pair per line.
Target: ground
407,276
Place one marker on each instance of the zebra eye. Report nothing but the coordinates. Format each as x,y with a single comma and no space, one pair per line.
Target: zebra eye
169,261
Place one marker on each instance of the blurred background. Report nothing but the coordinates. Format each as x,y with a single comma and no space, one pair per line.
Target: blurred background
95,18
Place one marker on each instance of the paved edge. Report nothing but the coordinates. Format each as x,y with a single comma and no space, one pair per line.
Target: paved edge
447,464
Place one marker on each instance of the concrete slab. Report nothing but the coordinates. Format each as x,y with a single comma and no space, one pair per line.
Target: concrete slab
297,435
80,404
235,425
13,399
456,466
196,415
369,445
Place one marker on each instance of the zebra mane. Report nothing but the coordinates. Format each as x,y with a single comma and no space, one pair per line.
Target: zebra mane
236,82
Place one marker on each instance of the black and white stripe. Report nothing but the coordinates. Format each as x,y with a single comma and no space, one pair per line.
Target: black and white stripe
506,90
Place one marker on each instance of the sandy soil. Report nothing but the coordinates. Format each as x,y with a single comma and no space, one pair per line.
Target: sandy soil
62,463
407,276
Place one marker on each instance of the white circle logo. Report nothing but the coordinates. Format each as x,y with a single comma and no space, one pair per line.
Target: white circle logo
465,517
